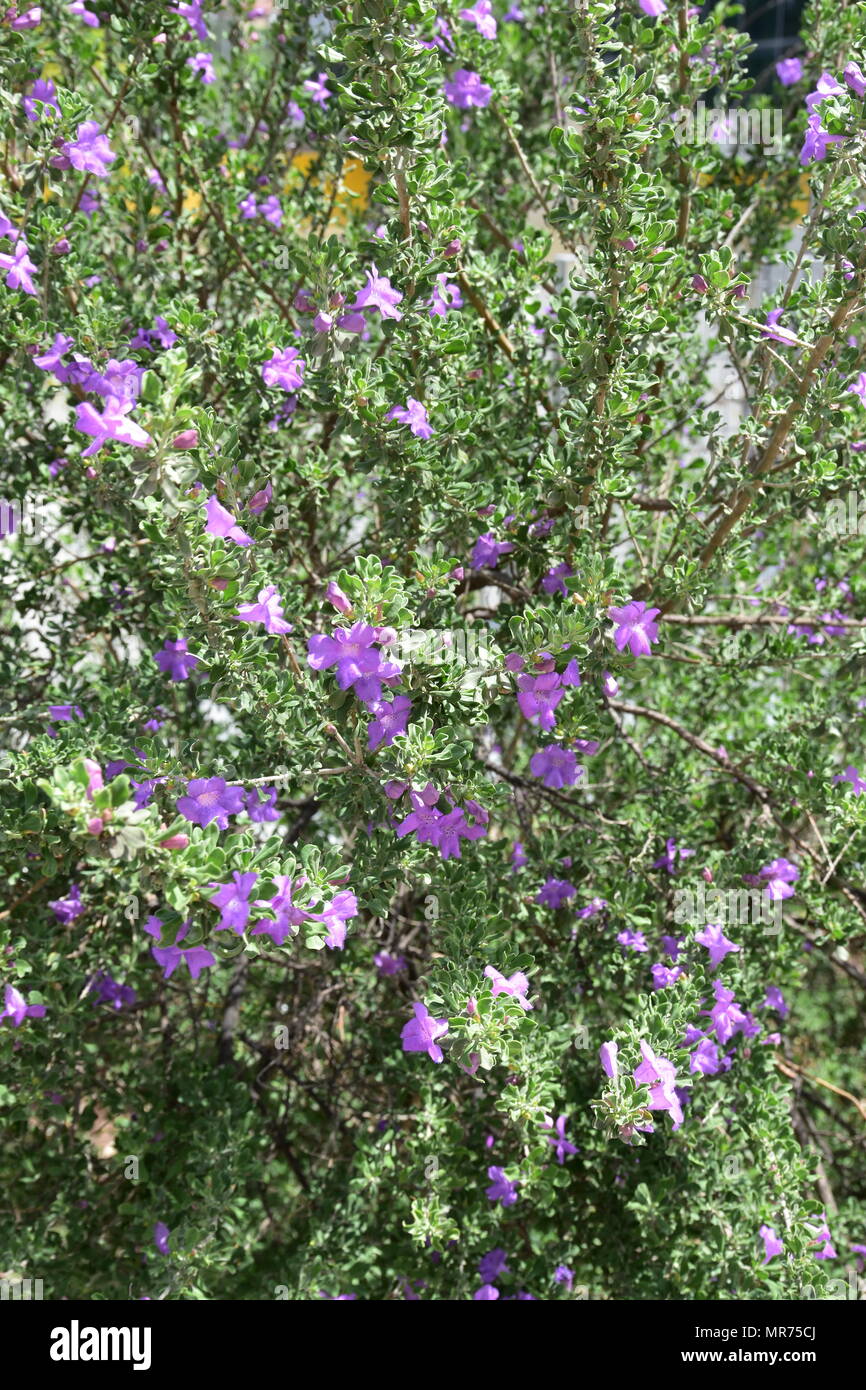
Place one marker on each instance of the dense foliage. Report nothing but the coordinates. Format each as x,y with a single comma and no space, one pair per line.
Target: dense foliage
431,652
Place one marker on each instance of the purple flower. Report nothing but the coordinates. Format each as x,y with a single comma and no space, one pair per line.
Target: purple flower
20,268
635,628
260,501
78,8
789,71
143,791
43,92
562,1148
335,596
827,86
563,1275
192,13
446,295
653,8
852,775
713,937
118,382
233,901
261,810
90,151
853,75
203,63
288,916
781,873
775,1000
389,719
221,523
481,15
538,697
660,1075
571,674
379,294
285,369
554,892
557,766
554,581
487,550
705,1058
608,1056
109,991
166,337
664,976
593,907
515,986
823,1234
773,331
466,89
389,965
353,323
488,1293
450,828
816,141
16,1008
52,357
161,1234
111,424
501,1189
726,1014
858,387
414,415
30,19
272,211
267,610
668,860
169,957
335,916
175,661
773,1246
68,908
421,1032
318,91
491,1265
632,940
358,663
210,798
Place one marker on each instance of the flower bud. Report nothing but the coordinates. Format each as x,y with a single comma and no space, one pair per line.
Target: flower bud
187,439
334,594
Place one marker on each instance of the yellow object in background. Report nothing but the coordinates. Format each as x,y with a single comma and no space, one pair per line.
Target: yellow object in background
800,204
354,184
353,190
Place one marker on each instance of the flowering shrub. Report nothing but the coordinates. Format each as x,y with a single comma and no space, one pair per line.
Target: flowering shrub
337,965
